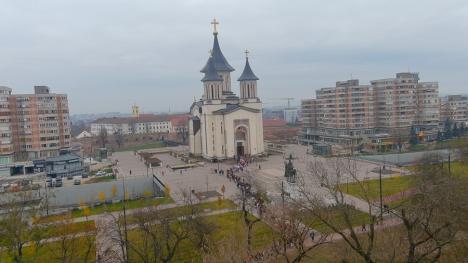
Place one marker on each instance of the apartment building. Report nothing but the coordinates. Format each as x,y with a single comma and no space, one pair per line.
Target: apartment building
454,108
403,101
309,120
6,140
40,123
349,112
340,114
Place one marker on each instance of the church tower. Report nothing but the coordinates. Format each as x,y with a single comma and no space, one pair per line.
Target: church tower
248,81
212,82
220,63
223,125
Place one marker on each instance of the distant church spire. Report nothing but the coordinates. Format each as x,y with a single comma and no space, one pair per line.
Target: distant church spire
247,74
219,60
248,81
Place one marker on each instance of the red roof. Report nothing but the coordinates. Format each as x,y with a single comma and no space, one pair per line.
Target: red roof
179,120
274,123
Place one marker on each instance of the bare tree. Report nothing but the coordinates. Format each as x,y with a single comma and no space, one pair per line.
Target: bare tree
161,232
291,234
252,199
431,218
71,242
102,137
119,138
427,222
330,202
17,228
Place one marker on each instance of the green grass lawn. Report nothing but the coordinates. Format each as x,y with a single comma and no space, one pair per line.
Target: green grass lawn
336,218
225,225
71,228
184,210
130,204
390,186
81,249
145,146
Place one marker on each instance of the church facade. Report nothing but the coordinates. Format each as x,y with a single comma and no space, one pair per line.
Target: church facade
224,125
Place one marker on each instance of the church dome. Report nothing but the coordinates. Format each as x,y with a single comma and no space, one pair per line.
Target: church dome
247,74
210,73
220,62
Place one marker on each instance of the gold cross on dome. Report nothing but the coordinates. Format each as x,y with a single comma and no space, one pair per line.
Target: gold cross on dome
215,23
246,53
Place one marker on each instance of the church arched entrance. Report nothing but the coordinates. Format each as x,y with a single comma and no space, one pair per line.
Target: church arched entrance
241,141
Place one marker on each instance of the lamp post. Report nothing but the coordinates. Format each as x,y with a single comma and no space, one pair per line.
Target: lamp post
380,187
125,216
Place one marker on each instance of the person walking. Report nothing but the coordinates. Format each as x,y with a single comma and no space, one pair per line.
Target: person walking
312,235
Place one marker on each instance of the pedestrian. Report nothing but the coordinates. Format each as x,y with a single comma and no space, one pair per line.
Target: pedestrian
312,235
259,167
363,227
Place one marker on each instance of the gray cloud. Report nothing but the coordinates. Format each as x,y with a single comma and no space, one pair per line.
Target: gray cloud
110,54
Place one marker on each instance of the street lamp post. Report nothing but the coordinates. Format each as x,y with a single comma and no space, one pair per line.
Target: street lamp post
380,187
125,216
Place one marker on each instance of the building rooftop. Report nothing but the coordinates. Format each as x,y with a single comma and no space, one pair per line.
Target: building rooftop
63,158
274,123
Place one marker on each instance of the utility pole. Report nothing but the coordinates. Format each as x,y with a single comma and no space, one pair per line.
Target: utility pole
380,186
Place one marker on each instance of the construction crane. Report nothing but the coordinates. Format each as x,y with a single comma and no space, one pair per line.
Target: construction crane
288,99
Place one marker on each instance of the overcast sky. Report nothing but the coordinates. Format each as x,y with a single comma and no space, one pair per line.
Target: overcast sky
108,54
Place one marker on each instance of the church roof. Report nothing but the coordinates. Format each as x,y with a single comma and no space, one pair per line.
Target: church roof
233,107
220,62
247,74
210,73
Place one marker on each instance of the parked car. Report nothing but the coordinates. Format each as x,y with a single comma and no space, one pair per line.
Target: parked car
85,175
59,182
49,182
70,177
77,181
100,173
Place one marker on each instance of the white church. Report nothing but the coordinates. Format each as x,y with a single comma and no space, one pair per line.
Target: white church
224,125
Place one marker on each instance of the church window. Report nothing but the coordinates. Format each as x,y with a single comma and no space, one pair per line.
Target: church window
248,91
212,92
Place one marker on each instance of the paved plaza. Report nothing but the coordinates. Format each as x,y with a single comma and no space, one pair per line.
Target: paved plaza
267,173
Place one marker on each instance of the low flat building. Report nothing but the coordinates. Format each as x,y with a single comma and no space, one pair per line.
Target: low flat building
65,165
141,124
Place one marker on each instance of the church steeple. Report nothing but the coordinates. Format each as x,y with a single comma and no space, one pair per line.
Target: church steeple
210,73
248,81
212,82
220,62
